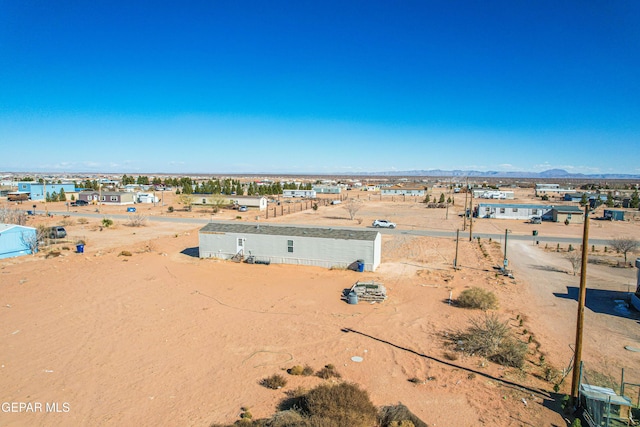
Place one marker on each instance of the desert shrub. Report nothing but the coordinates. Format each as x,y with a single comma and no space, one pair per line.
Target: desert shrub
451,355
83,221
170,209
491,338
124,253
288,418
400,415
307,370
329,371
416,380
295,370
274,382
339,405
106,222
238,217
477,298
137,220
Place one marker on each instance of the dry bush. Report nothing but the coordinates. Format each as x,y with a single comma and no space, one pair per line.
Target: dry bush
83,221
66,222
477,298
295,370
400,415
492,338
12,216
137,220
329,371
307,370
274,382
124,253
339,405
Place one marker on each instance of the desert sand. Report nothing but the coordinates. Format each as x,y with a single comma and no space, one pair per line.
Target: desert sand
162,337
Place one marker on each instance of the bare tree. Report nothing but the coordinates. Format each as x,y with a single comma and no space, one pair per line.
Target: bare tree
624,245
575,258
12,216
137,220
352,206
31,240
186,200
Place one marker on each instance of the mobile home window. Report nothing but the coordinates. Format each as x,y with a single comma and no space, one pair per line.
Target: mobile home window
501,210
534,211
515,209
114,198
240,240
487,209
290,246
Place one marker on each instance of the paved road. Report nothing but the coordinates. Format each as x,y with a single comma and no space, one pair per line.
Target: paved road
397,231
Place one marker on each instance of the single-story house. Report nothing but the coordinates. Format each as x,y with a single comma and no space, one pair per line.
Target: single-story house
146,198
38,191
323,247
17,240
398,190
513,211
573,214
107,197
552,189
259,202
482,193
327,189
309,194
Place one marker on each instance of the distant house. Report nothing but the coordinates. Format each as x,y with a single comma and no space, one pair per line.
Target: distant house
38,191
16,240
552,190
327,189
146,198
400,190
513,211
259,202
572,214
308,194
323,247
107,197
481,193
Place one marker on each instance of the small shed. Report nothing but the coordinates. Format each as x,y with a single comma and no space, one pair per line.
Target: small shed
17,240
613,215
323,247
570,214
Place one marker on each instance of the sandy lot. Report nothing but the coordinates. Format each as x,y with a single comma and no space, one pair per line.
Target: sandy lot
162,337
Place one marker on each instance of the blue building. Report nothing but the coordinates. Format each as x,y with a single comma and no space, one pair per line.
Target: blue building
17,240
37,190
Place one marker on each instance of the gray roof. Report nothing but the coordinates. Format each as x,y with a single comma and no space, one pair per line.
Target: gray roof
568,209
278,230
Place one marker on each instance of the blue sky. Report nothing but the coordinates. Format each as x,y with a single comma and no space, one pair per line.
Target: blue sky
319,86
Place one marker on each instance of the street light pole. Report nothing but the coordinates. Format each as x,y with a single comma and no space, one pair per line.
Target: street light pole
505,262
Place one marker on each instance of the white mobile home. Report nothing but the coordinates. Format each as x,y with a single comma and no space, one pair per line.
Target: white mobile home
259,202
513,211
402,191
323,247
309,194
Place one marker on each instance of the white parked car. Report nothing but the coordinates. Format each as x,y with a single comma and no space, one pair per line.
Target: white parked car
383,223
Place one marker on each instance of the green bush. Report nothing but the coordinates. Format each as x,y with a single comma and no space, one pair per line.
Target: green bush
477,298
106,222
274,382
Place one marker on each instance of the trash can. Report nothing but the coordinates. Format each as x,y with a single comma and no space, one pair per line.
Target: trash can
80,248
352,298
535,232
360,265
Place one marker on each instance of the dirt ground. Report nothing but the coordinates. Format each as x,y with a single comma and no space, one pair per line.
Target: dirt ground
162,337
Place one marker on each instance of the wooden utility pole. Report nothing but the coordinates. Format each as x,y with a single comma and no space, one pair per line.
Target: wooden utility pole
455,260
464,217
577,359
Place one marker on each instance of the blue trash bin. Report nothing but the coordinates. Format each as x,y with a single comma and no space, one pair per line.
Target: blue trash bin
80,248
360,267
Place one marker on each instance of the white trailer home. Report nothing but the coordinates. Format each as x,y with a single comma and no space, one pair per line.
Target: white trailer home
309,194
513,211
323,247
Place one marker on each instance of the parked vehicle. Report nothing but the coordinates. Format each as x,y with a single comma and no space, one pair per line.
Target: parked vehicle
79,203
535,220
57,233
383,223
242,209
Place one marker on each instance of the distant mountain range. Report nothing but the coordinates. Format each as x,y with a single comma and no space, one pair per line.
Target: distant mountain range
548,174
